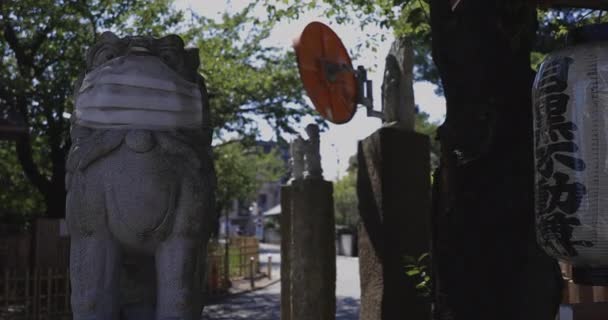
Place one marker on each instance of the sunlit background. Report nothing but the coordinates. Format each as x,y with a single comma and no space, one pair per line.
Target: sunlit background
339,142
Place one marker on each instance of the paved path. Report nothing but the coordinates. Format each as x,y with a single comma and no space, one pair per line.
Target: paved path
264,304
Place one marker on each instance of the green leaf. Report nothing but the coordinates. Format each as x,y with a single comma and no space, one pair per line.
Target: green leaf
423,257
412,272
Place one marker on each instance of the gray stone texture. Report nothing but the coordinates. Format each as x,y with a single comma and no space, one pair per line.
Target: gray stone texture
296,161
393,187
313,153
313,252
285,252
398,103
305,161
140,207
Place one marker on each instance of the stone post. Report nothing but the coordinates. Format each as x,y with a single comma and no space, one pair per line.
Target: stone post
393,187
285,252
313,251
308,250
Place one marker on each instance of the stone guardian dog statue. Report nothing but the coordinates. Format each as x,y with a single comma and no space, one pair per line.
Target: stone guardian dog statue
140,181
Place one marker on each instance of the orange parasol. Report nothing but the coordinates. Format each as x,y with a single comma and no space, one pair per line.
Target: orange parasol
327,73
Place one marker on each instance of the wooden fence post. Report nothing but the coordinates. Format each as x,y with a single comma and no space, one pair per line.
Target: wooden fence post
28,303
36,295
256,254
269,267
49,287
251,273
6,287
67,291
242,259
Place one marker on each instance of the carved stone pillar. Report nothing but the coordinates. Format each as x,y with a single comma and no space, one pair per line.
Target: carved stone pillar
393,187
312,265
285,252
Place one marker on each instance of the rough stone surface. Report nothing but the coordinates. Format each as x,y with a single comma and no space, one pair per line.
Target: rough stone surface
306,156
296,152
393,187
139,206
398,103
285,252
313,153
312,255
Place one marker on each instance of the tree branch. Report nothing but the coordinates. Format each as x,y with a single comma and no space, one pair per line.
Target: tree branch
40,37
38,70
55,128
25,153
25,156
13,42
25,53
6,96
85,10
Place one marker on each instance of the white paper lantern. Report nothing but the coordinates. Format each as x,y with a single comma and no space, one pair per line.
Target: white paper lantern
571,140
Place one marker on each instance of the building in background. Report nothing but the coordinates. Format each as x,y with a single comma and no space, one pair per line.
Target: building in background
246,218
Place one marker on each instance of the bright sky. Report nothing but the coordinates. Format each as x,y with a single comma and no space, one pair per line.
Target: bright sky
340,141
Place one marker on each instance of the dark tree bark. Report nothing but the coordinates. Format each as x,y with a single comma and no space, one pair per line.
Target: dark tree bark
486,262
52,187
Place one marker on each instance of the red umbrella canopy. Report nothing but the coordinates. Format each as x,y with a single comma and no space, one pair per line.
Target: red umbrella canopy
326,72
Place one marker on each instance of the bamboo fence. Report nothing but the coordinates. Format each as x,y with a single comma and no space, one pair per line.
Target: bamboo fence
43,293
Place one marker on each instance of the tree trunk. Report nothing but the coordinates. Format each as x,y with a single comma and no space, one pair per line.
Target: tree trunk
486,262
53,190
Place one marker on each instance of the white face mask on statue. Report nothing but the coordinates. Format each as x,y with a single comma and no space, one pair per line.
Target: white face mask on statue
138,92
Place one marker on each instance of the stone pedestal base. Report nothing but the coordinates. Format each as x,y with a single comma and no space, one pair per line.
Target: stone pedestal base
393,187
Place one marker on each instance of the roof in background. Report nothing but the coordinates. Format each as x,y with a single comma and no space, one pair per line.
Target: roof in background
276,210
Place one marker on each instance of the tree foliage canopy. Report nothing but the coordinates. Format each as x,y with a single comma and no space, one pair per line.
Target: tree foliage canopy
425,126
411,18
345,197
247,79
43,44
241,171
